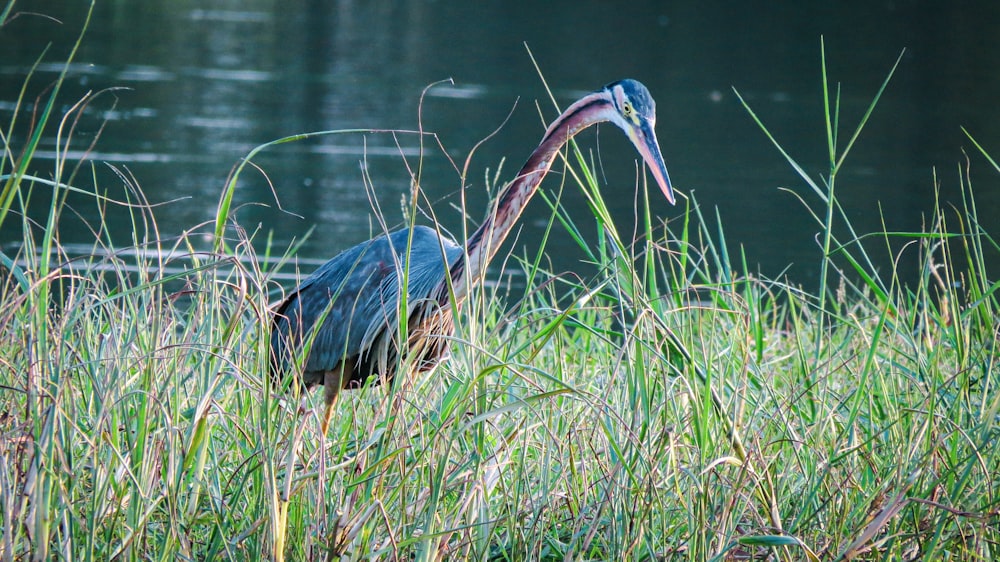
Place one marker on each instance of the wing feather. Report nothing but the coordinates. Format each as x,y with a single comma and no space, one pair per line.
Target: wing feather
354,301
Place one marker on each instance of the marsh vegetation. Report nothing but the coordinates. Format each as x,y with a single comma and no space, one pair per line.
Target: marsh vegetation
674,405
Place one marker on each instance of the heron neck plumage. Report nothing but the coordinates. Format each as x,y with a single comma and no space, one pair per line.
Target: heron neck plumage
486,240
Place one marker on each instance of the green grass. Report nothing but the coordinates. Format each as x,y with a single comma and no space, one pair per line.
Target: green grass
674,406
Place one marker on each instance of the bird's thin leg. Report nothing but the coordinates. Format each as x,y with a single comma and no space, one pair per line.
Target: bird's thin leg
331,399
333,381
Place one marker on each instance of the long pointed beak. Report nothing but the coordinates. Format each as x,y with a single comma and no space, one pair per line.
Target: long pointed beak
644,140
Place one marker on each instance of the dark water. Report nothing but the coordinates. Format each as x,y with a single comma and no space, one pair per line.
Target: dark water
208,81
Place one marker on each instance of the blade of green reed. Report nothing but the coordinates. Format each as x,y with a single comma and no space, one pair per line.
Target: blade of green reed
859,262
13,180
6,12
982,150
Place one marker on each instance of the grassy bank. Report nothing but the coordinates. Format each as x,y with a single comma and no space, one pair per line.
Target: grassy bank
674,406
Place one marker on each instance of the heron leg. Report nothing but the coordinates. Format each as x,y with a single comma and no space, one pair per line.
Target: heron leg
333,381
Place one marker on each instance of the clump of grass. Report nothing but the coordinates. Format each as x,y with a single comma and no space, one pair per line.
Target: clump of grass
672,406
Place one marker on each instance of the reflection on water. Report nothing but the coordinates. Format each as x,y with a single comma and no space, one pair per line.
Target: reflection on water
206,84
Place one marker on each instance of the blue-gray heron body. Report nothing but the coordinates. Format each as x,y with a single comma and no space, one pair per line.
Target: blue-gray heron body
346,314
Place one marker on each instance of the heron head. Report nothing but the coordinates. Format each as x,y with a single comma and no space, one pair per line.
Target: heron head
635,113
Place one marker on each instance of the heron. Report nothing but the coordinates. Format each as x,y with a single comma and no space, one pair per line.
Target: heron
345,316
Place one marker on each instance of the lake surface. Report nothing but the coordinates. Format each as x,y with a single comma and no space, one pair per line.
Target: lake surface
205,82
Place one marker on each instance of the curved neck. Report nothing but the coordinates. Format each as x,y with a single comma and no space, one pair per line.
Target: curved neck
486,240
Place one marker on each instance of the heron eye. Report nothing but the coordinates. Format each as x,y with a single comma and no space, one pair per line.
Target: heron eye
627,109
